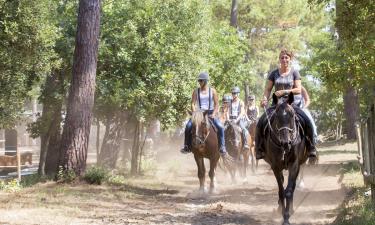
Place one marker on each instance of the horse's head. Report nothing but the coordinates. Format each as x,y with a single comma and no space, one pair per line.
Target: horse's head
284,120
232,132
201,128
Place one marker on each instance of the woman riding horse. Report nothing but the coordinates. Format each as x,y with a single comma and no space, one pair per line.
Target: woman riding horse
205,98
238,115
286,80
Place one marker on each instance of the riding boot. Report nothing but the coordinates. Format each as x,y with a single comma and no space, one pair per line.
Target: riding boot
187,141
259,139
311,150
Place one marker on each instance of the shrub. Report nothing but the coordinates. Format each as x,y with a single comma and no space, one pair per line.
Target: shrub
95,175
66,176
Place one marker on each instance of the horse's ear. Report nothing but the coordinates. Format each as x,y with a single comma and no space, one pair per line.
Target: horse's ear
274,99
205,113
190,112
290,98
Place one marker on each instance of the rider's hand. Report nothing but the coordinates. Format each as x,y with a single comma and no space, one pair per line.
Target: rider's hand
264,103
280,93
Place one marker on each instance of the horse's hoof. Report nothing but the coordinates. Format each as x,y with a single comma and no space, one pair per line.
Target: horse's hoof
286,223
213,191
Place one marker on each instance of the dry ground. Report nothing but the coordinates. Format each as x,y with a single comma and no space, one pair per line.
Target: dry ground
169,197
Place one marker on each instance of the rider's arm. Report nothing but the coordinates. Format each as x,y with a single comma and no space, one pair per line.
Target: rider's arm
216,103
267,92
193,101
296,87
257,112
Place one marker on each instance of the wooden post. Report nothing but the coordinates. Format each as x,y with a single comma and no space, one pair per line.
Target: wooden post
18,165
365,147
371,139
359,145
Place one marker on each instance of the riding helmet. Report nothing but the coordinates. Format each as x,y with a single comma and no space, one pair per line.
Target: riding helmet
236,90
227,98
251,97
203,76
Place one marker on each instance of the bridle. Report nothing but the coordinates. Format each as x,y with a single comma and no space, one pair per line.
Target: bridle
198,136
275,134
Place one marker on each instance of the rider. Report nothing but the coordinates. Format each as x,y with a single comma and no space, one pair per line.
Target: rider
252,110
238,114
285,80
227,99
305,104
205,98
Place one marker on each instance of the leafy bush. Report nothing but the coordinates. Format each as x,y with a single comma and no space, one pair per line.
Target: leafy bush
11,186
66,176
95,175
116,179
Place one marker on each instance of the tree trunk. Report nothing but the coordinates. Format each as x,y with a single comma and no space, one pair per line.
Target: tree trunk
51,121
135,150
97,140
234,14
109,152
351,110
76,131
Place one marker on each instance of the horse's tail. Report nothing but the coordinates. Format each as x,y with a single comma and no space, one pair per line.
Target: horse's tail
229,162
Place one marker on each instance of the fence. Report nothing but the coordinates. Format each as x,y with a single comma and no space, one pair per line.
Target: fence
366,149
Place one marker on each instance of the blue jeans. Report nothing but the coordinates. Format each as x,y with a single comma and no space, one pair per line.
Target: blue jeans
217,124
308,114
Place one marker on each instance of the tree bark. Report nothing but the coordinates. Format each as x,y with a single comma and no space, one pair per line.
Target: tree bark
76,131
110,149
51,128
234,14
134,169
351,109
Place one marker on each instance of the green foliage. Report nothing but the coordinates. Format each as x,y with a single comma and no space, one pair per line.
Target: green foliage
30,180
27,38
358,210
95,175
116,180
10,186
65,176
150,54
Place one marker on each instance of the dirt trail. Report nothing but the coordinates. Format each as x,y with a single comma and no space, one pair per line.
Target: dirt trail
170,197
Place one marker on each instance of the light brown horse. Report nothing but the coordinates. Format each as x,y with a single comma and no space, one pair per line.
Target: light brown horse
204,145
235,146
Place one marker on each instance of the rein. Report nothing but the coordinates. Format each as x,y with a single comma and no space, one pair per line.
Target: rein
199,137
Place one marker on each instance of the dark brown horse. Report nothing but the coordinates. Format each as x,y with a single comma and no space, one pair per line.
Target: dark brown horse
204,145
235,148
285,148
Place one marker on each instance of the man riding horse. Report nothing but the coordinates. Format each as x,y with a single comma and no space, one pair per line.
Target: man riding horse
237,114
205,98
285,80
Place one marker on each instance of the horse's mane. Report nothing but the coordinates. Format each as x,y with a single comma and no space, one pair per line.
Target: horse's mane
197,117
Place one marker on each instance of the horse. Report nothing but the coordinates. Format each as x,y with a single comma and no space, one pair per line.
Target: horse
252,128
285,148
235,147
204,145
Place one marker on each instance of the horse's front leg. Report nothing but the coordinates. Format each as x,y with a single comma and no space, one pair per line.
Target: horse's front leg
280,183
201,171
246,155
289,191
211,173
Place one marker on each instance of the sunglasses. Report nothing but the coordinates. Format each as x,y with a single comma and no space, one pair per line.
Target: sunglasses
200,80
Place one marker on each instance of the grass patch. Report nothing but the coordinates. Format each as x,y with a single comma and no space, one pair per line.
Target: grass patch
357,208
